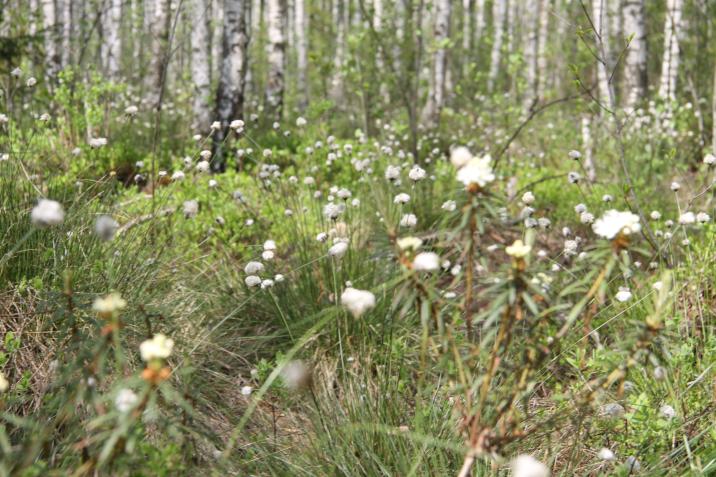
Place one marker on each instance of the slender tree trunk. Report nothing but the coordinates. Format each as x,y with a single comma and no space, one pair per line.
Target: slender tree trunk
111,21
436,94
230,93
713,116
33,17
64,8
531,50
276,58
511,26
601,26
159,38
480,20
542,58
216,25
499,12
467,26
200,62
52,53
614,13
670,61
302,53
635,77
339,20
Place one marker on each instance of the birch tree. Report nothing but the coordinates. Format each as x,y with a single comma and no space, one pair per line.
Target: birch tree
635,62
338,13
499,12
601,27
200,62
301,30
713,116
670,60
276,58
467,26
50,26
112,17
159,37
542,40
530,49
64,14
230,92
480,20
436,93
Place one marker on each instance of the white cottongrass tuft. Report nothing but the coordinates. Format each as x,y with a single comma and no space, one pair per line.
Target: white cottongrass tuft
527,466
449,205
105,227
125,400
417,173
296,375
426,262
606,454
687,218
408,220
339,249
623,294
190,208
47,213
253,267
357,301
667,412
401,198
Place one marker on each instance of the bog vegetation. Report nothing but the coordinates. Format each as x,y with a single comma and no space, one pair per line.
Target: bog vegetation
357,237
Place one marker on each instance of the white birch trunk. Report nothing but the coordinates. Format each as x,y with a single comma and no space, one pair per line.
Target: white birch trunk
513,16
614,13
713,116
276,10
601,26
531,50
200,62
335,91
436,93
467,26
542,58
216,27
302,52
230,92
480,20
33,17
159,35
112,23
52,53
670,61
64,17
635,78
499,12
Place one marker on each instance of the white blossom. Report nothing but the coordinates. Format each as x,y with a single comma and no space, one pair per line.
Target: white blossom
47,213
357,301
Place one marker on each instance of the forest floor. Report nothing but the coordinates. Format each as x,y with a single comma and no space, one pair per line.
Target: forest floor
356,305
